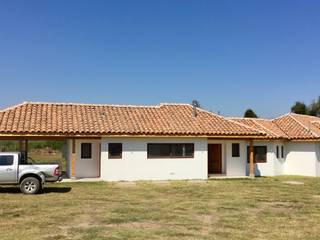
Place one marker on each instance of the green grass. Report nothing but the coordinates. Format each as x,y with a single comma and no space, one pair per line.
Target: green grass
263,208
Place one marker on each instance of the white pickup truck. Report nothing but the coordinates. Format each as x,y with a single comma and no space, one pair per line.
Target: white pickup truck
14,169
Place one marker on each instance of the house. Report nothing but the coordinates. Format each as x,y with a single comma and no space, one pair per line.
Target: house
167,141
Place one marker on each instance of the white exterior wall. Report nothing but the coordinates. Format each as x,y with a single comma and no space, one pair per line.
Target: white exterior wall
273,166
317,145
236,166
267,168
301,159
85,168
279,162
135,165
89,167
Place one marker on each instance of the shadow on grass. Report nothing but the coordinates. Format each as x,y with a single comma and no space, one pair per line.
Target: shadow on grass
15,190
56,189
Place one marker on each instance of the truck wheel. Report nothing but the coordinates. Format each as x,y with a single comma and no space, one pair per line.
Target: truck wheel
30,185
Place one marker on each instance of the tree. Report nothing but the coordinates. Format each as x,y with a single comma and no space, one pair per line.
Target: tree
196,103
299,108
314,108
249,113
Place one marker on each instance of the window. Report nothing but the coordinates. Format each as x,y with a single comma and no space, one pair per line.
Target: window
6,160
115,150
86,150
235,150
277,151
282,152
170,150
260,154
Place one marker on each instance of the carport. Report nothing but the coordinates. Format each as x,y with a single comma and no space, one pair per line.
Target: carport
74,124
76,166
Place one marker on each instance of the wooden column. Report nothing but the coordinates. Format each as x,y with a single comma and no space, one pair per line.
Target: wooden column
26,149
73,159
23,148
251,160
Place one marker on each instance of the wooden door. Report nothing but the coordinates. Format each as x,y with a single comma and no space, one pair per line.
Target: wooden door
214,159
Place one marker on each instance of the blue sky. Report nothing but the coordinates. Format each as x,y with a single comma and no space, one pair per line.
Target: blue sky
229,55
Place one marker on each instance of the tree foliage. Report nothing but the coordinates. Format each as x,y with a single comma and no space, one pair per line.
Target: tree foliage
312,109
249,113
299,108
196,103
11,145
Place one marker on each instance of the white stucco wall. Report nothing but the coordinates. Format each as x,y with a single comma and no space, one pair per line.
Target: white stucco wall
85,168
317,146
279,162
236,166
135,165
267,168
273,166
301,159
89,167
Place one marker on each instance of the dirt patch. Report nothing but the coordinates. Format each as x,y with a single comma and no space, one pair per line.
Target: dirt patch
294,182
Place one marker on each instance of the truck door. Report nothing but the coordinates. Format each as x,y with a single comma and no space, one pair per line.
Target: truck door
8,168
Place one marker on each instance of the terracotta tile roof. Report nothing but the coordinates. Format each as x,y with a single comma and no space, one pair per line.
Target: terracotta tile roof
290,126
272,130
316,123
88,119
298,126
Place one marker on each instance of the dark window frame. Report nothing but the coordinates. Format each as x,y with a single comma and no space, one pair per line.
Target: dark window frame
235,149
277,151
11,159
256,160
110,156
171,146
86,155
282,151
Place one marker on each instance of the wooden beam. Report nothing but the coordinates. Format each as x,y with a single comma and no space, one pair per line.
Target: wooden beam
73,158
251,160
54,136
41,137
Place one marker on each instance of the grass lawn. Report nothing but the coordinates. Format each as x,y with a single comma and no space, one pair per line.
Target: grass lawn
263,208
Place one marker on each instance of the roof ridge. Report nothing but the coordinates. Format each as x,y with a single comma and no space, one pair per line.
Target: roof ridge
306,116
257,122
304,126
242,124
88,104
248,118
225,118
106,104
283,115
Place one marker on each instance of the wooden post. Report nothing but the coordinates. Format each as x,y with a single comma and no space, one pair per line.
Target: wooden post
23,149
73,159
251,160
20,146
26,149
